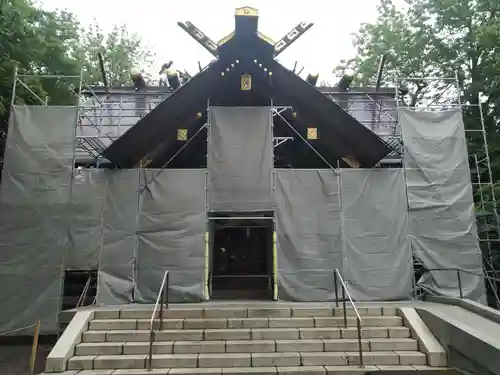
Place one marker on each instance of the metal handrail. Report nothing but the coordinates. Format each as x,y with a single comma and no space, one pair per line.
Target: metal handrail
459,279
336,277
162,298
84,292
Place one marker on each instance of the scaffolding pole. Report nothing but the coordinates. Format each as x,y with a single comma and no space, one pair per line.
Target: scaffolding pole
452,99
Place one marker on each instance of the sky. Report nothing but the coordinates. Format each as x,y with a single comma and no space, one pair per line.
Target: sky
318,51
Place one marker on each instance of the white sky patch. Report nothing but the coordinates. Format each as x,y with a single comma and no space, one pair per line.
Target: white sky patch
319,50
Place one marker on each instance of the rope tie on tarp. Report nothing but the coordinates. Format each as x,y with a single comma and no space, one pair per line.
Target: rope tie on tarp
17,330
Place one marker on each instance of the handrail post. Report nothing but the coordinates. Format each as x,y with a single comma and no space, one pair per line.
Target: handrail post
162,295
34,347
161,299
167,287
358,323
150,354
336,288
460,284
345,311
358,317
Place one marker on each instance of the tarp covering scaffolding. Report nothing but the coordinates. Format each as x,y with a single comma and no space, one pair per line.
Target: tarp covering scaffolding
441,206
240,159
356,222
378,262
132,225
34,197
141,223
308,227
172,224
103,220
87,199
115,280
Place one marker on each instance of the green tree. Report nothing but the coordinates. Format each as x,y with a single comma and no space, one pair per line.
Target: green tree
36,42
438,38
39,42
432,38
121,51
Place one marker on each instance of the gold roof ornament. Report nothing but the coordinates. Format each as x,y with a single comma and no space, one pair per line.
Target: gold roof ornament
182,134
265,38
312,133
246,82
225,39
353,163
246,12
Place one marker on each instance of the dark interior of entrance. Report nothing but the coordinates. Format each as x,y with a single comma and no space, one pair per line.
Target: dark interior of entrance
242,259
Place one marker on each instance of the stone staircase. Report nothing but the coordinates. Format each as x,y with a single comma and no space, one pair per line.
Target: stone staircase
242,340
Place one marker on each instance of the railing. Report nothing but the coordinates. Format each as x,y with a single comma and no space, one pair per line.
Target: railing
336,278
162,298
83,295
459,279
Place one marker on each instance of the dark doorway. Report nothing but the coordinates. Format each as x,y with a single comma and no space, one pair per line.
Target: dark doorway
242,259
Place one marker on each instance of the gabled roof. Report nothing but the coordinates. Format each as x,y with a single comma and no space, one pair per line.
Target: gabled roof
171,114
338,131
340,135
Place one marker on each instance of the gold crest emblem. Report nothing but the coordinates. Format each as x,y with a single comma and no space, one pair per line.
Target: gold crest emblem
246,82
182,134
312,133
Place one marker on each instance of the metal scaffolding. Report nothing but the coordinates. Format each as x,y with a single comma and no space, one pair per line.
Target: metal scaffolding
102,117
437,94
377,110
105,117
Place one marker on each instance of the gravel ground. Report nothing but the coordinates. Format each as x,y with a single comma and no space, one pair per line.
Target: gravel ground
14,359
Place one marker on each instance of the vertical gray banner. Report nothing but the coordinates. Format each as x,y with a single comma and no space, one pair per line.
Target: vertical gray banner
172,226
308,227
240,159
34,200
378,260
115,283
441,206
86,218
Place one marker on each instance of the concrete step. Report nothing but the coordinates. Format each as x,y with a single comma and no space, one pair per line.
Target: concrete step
224,323
280,370
227,360
242,312
244,334
246,346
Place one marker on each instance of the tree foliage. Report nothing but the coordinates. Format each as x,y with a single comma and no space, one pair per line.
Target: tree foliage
431,38
39,42
121,51
439,38
443,38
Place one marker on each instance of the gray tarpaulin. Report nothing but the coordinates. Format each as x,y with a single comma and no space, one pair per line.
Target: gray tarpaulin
442,222
34,198
41,139
38,155
33,242
308,233
86,221
240,159
377,255
115,283
132,237
172,225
